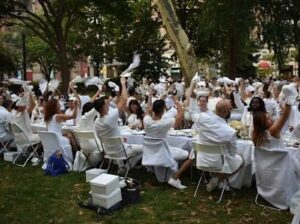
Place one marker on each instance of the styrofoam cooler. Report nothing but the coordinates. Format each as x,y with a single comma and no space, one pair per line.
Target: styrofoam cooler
104,184
92,173
107,201
10,156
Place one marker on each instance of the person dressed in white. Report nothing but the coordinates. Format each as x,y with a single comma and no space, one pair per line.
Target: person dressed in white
54,122
70,111
157,126
5,118
22,117
107,126
213,129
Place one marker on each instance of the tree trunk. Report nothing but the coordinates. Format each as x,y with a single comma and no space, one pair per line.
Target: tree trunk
179,39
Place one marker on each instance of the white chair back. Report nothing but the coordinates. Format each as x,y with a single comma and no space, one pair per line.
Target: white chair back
213,150
156,152
88,141
273,174
51,144
113,148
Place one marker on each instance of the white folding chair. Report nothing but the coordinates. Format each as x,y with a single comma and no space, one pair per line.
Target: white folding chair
24,144
156,153
114,149
213,150
276,178
88,142
51,144
4,145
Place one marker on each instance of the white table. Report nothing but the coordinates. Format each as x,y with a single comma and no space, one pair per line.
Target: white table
42,127
182,142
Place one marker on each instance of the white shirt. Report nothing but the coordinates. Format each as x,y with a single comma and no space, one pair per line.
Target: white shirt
5,119
108,126
172,112
87,121
272,108
84,99
23,120
158,128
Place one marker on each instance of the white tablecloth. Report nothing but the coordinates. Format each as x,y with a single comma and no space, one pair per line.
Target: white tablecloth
42,127
182,142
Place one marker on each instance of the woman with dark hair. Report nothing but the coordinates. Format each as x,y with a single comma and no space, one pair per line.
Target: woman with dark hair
266,132
136,116
256,104
54,121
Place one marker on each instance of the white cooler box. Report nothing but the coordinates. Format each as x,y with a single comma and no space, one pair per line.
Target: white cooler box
104,184
10,156
109,200
92,173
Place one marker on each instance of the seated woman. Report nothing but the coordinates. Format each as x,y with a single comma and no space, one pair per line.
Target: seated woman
136,116
54,121
256,104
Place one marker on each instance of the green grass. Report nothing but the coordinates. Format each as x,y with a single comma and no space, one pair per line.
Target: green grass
28,196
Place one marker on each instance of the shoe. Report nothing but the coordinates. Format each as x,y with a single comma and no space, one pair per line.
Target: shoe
221,185
35,161
212,184
176,183
122,171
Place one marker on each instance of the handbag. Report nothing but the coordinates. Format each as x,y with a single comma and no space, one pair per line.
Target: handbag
56,165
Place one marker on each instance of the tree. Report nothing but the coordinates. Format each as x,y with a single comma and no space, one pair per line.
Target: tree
179,39
39,52
278,27
223,33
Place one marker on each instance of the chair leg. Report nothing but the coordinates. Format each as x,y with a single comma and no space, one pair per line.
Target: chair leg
109,165
166,174
265,206
200,179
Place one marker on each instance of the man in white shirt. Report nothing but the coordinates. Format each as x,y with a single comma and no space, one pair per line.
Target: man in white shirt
107,125
213,129
157,126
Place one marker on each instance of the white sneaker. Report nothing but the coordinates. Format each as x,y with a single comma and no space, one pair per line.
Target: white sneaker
212,184
176,183
35,161
221,185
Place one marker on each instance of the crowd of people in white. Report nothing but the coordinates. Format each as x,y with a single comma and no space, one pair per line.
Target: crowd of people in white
267,108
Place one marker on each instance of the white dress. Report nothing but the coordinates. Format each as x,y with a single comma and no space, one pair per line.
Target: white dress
54,126
278,172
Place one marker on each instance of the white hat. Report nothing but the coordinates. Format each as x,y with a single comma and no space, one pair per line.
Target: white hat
169,102
257,84
162,80
111,84
14,97
72,98
202,93
22,102
126,75
250,89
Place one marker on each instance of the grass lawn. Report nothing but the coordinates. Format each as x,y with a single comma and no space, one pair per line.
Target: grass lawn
28,196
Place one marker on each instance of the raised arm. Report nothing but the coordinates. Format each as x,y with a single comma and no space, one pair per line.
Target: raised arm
180,115
123,98
276,127
64,117
31,103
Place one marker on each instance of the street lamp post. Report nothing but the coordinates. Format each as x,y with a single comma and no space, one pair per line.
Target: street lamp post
24,56
298,40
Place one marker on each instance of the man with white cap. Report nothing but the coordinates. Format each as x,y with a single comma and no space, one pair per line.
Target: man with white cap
22,117
70,110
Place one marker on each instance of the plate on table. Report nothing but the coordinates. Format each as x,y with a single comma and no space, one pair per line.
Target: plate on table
135,132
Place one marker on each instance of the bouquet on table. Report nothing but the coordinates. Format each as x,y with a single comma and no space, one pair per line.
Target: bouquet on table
241,130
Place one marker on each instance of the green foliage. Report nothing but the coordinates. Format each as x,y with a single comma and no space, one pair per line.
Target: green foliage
278,26
9,53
